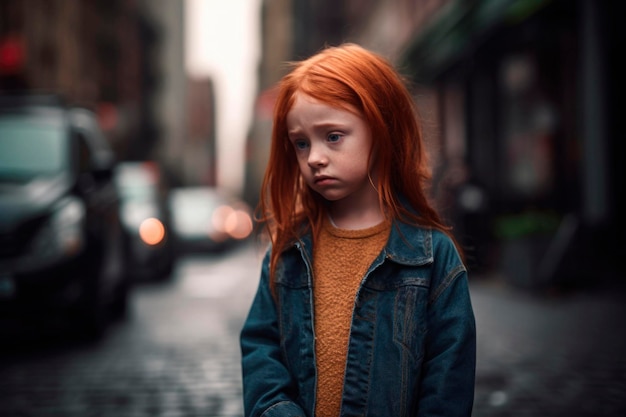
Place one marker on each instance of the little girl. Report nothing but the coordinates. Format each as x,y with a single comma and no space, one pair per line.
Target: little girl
363,307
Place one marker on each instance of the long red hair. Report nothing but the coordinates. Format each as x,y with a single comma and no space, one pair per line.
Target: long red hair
347,77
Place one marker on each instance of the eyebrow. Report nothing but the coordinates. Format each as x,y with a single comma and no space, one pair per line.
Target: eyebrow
321,125
291,134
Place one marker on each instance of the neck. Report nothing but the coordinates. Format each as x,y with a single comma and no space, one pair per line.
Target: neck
356,219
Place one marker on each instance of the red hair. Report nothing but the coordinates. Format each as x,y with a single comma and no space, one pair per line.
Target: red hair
347,77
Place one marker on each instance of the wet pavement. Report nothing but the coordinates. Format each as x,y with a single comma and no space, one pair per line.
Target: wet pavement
178,355
551,354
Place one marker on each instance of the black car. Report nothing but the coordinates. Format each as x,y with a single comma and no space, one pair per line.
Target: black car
147,219
63,250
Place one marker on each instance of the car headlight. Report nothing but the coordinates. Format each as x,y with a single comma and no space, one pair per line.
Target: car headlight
62,235
232,221
152,231
142,220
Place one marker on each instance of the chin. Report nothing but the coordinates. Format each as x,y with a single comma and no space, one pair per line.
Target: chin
330,197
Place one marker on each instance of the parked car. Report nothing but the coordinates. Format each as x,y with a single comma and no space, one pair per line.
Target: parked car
62,245
146,217
206,219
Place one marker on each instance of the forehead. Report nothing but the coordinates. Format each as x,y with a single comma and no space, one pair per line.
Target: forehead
308,110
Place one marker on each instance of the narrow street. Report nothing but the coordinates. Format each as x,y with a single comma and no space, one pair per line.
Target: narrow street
178,353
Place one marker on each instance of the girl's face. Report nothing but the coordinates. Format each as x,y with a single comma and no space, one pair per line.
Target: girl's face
332,146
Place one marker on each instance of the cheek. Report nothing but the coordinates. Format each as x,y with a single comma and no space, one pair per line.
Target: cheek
359,162
303,165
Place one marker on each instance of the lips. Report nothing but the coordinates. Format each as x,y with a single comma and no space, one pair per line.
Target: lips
323,179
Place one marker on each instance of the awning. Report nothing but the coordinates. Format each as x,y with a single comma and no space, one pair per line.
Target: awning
457,31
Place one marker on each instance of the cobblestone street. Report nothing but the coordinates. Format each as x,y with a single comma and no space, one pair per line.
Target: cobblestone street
549,355
178,354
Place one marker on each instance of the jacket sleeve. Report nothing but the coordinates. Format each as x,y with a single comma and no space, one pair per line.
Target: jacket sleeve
449,367
268,387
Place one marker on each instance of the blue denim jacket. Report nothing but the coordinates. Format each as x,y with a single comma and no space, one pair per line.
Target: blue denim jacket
412,343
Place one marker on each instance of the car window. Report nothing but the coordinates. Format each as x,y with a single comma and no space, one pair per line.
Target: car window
137,182
31,147
85,124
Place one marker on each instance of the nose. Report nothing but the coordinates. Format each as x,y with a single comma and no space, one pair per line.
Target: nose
317,157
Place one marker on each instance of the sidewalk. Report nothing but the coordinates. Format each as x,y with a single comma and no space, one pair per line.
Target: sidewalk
549,355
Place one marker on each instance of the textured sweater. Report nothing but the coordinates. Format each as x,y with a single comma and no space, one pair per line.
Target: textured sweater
340,260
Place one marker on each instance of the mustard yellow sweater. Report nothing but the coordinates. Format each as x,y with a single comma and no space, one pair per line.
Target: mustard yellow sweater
340,259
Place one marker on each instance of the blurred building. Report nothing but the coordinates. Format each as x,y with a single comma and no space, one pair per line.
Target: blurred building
183,109
123,59
94,53
199,150
527,103
519,104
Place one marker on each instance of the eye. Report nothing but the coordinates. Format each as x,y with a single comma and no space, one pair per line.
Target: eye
300,144
334,137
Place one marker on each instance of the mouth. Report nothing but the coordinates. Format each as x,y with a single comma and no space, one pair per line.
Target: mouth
323,179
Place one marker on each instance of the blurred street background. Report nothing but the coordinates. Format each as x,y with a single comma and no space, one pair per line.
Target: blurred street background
134,135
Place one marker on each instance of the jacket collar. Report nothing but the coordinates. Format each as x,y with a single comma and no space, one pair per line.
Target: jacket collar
407,244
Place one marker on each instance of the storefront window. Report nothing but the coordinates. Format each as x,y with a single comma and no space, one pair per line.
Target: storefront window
528,128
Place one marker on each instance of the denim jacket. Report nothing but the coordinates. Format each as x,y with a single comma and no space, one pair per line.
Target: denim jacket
412,343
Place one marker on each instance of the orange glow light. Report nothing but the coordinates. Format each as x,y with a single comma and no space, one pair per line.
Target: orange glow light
220,215
152,231
239,224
